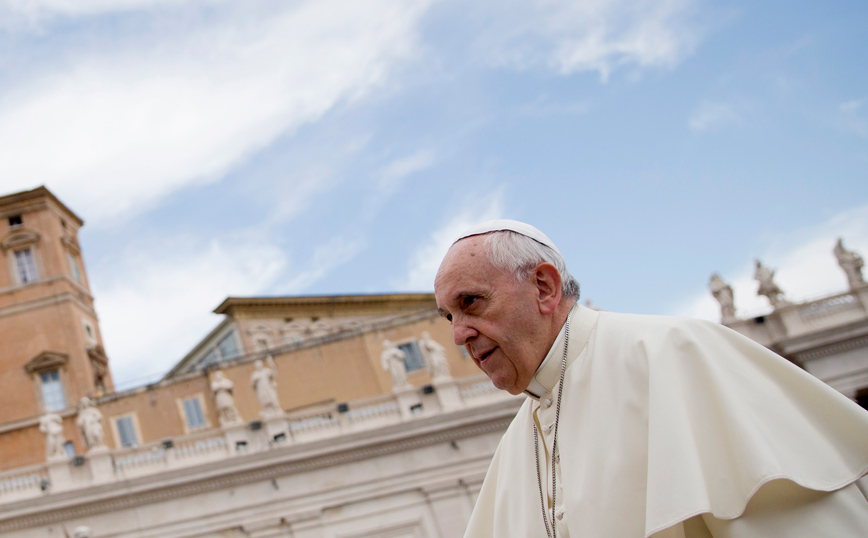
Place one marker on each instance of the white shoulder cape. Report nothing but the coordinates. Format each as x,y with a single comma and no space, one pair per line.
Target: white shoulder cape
666,418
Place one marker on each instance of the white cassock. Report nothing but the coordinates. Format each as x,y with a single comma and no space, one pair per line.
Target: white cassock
673,427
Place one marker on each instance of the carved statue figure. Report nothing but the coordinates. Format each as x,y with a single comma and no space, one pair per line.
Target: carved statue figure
264,385
222,390
436,355
52,426
82,532
767,286
392,360
90,423
723,293
851,262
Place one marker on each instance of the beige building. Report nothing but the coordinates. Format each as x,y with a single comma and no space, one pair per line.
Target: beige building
51,353
296,416
308,417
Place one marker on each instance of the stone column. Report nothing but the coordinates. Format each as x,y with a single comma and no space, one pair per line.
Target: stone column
277,428
408,397
101,466
236,433
59,473
448,394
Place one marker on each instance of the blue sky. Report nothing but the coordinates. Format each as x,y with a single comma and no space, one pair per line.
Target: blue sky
221,148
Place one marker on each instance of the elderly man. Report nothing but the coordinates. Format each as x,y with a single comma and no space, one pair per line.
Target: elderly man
640,426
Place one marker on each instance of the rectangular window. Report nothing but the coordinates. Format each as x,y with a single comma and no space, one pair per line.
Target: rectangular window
73,267
228,347
88,331
193,413
14,221
52,391
413,359
25,265
127,431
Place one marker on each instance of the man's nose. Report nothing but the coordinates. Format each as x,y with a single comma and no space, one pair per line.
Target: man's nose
462,333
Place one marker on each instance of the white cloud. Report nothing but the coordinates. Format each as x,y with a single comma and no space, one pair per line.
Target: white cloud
804,263
155,303
712,116
114,129
392,173
854,117
325,258
426,259
591,35
542,107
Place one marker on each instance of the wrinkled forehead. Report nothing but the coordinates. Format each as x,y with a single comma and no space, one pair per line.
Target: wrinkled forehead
466,261
465,252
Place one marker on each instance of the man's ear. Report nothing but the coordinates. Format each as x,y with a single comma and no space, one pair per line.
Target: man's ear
547,280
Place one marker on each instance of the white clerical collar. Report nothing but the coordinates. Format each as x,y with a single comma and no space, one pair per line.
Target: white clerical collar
549,372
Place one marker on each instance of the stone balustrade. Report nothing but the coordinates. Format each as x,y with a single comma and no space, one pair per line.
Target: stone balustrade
24,483
799,319
270,433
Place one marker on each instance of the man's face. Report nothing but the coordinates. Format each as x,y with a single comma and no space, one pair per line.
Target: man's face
495,318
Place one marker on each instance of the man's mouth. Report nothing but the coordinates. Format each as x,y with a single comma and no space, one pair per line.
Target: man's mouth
481,358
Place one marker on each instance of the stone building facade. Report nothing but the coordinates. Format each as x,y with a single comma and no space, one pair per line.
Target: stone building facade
51,353
283,421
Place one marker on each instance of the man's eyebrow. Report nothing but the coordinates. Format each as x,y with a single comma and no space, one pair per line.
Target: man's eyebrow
443,313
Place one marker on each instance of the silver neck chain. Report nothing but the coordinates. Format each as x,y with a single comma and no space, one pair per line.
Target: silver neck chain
552,531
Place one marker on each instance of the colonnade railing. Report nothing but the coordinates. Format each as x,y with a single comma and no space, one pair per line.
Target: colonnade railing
231,440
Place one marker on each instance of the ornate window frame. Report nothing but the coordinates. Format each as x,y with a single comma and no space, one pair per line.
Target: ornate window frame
45,362
19,239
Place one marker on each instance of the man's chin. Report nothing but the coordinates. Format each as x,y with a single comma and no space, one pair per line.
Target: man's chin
507,386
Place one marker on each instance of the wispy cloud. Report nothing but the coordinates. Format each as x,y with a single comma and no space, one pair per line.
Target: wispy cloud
127,124
590,36
394,172
804,262
544,106
155,303
325,258
426,259
710,116
854,116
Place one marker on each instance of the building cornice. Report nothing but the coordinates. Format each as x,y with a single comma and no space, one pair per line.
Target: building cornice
51,300
34,199
375,324
323,305
241,470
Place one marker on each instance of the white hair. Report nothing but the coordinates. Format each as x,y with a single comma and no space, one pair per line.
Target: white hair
518,254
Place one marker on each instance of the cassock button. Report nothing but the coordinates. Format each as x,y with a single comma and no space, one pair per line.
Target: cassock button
547,428
547,403
559,515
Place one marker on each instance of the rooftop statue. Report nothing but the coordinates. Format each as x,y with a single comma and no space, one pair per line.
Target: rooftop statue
723,293
52,426
392,360
436,355
90,423
851,262
223,400
767,286
265,386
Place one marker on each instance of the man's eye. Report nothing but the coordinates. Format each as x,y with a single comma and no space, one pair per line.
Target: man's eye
449,318
468,301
